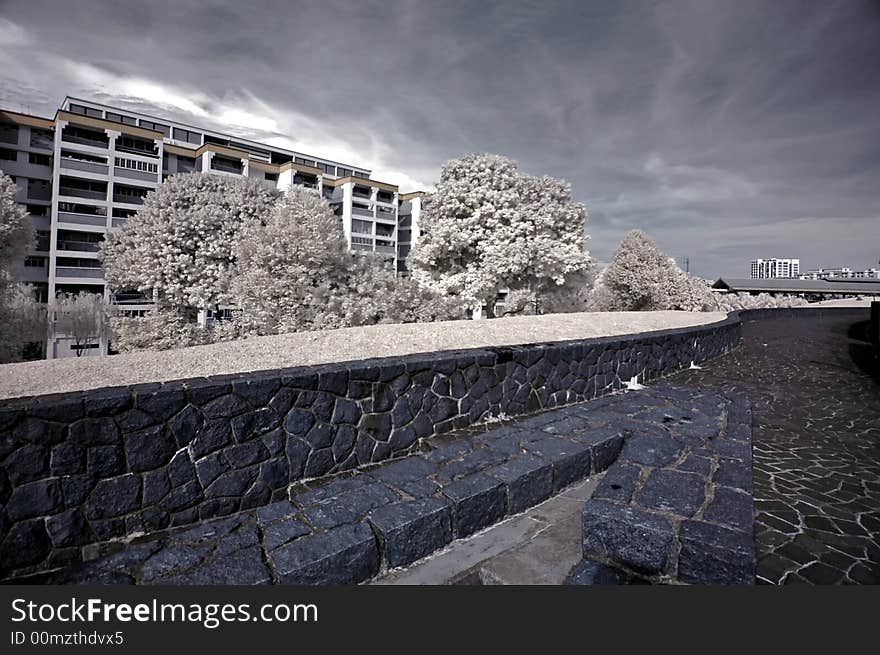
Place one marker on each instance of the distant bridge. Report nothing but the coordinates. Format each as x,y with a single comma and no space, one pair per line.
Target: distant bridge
825,287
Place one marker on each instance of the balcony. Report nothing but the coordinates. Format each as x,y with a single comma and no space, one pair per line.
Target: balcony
76,272
119,171
388,250
41,195
93,143
82,219
131,200
359,211
82,193
85,166
78,246
134,150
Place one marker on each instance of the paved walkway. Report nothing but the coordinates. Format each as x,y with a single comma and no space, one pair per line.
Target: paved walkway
816,436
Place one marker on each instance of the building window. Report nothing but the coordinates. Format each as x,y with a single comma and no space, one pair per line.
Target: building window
364,227
133,164
8,155
38,210
156,127
85,111
273,177
8,132
363,175
343,172
81,156
36,262
39,160
384,230
77,262
306,162
364,241
328,169
186,135
119,118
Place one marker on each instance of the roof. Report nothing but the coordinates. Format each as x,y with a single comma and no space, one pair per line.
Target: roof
791,285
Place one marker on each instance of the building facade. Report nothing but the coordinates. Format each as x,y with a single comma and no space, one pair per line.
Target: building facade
84,172
841,272
774,268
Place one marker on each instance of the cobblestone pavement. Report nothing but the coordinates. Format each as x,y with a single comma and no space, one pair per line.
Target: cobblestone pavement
815,398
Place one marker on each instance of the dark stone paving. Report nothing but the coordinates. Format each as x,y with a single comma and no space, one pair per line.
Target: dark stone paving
815,396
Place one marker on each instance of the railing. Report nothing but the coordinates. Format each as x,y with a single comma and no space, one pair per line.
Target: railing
357,211
132,200
137,151
389,250
85,142
146,176
82,193
70,271
82,219
33,194
81,246
87,166
42,244
225,168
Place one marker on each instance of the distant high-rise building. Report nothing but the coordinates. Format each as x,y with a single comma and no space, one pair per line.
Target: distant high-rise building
773,268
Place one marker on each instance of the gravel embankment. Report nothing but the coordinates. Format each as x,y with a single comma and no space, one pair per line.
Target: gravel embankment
264,353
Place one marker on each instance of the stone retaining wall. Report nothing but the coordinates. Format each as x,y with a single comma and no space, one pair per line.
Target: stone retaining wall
83,468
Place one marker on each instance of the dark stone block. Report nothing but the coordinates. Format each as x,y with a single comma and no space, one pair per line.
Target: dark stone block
135,419
411,530
114,497
346,411
225,406
105,461
60,408
258,391
478,501
274,473
247,426
634,538
402,412
245,454
402,438
26,543
350,506
335,382
186,425
343,442
734,473
651,451
156,486
321,435
69,528
210,467
591,572
284,531
232,483
344,555
298,422
68,459
322,408
423,425
30,462
618,483
35,499
76,488
181,469
377,426
149,449
714,555
283,400
274,442
94,432
443,409
605,444
571,461
472,462
733,509
383,397
162,404
109,402
403,470
182,498
297,452
214,435
528,481
673,491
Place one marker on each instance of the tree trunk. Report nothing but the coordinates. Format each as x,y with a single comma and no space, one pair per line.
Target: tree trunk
490,308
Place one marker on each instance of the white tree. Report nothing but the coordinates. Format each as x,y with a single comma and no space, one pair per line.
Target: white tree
182,242
488,227
294,272
83,316
22,319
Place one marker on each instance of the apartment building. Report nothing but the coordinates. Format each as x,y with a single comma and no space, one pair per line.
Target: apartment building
774,268
84,172
843,272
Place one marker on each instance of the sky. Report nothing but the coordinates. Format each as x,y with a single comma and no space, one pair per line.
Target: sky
725,130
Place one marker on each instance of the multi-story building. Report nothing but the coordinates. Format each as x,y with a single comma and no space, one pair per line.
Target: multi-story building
85,171
841,272
774,268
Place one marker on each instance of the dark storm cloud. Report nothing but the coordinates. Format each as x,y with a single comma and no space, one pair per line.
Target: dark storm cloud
725,130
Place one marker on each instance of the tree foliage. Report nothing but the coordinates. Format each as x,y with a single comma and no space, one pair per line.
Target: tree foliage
15,232
22,321
182,242
642,278
83,316
489,227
